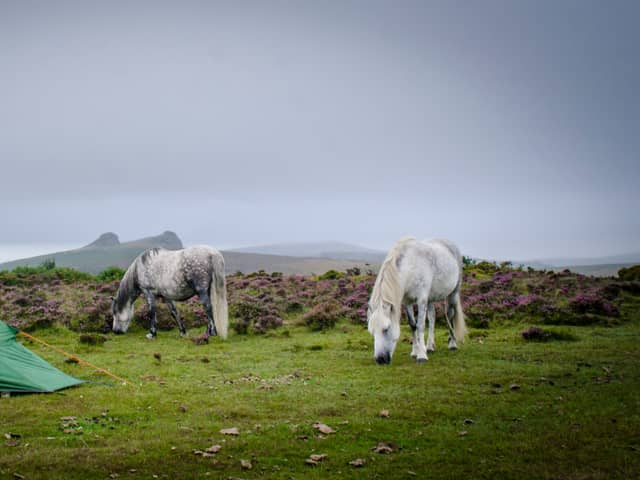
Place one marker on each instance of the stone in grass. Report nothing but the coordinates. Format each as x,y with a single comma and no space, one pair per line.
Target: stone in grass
208,452
357,463
383,447
230,431
246,464
323,428
384,413
315,459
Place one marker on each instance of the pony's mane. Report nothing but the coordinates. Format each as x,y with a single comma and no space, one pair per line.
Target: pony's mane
127,285
387,287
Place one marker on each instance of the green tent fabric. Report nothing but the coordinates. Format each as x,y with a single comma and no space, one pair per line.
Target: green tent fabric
23,371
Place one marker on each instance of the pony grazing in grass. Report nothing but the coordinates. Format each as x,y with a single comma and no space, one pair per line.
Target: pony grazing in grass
416,272
174,275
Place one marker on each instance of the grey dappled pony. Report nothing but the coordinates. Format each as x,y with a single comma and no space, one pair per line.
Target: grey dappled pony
416,272
174,275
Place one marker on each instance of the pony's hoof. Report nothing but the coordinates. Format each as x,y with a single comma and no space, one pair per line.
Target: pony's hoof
421,360
431,350
183,334
414,356
453,348
150,336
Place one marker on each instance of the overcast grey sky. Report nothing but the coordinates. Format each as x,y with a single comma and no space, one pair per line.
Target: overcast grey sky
512,127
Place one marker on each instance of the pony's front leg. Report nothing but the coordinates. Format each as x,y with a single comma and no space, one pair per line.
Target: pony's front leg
421,352
151,301
176,316
412,323
431,315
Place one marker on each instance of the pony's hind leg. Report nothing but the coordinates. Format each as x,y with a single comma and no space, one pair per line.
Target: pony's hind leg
151,301
421,352
450,312
412,323
431,315
206,303
176,316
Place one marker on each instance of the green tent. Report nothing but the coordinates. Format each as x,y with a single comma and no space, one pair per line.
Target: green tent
23,371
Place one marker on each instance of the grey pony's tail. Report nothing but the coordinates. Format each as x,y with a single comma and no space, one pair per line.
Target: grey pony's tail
218,294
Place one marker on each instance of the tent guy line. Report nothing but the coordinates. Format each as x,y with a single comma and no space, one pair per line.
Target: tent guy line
75,357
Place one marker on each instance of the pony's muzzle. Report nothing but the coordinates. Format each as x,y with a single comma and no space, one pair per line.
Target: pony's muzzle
383,358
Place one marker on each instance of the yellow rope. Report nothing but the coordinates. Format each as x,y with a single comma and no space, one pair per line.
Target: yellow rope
75,357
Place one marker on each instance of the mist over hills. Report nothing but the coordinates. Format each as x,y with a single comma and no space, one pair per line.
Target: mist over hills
627,258
328,250
606,266
289,258
107,250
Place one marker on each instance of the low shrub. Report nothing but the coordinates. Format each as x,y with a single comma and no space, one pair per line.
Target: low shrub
110,274
95,316
593,302
255,314
629,273
266,322
331,275
324,315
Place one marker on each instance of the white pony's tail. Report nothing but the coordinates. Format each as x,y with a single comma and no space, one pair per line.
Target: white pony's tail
459,325
218,294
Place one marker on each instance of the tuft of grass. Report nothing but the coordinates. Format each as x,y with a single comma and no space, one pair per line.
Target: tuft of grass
537,334
92,339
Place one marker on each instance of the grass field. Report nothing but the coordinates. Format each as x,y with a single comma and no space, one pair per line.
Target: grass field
499,407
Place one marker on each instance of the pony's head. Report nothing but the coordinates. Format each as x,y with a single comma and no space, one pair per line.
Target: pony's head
383,316
384,325
122,304
121,316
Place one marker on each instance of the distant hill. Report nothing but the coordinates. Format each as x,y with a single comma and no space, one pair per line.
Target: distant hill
595,266
627,258
108,239
252,262
107,251
328,250
600,270
104,252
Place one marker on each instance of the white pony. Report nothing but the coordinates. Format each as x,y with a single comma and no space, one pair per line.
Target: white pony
416,272
174,275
